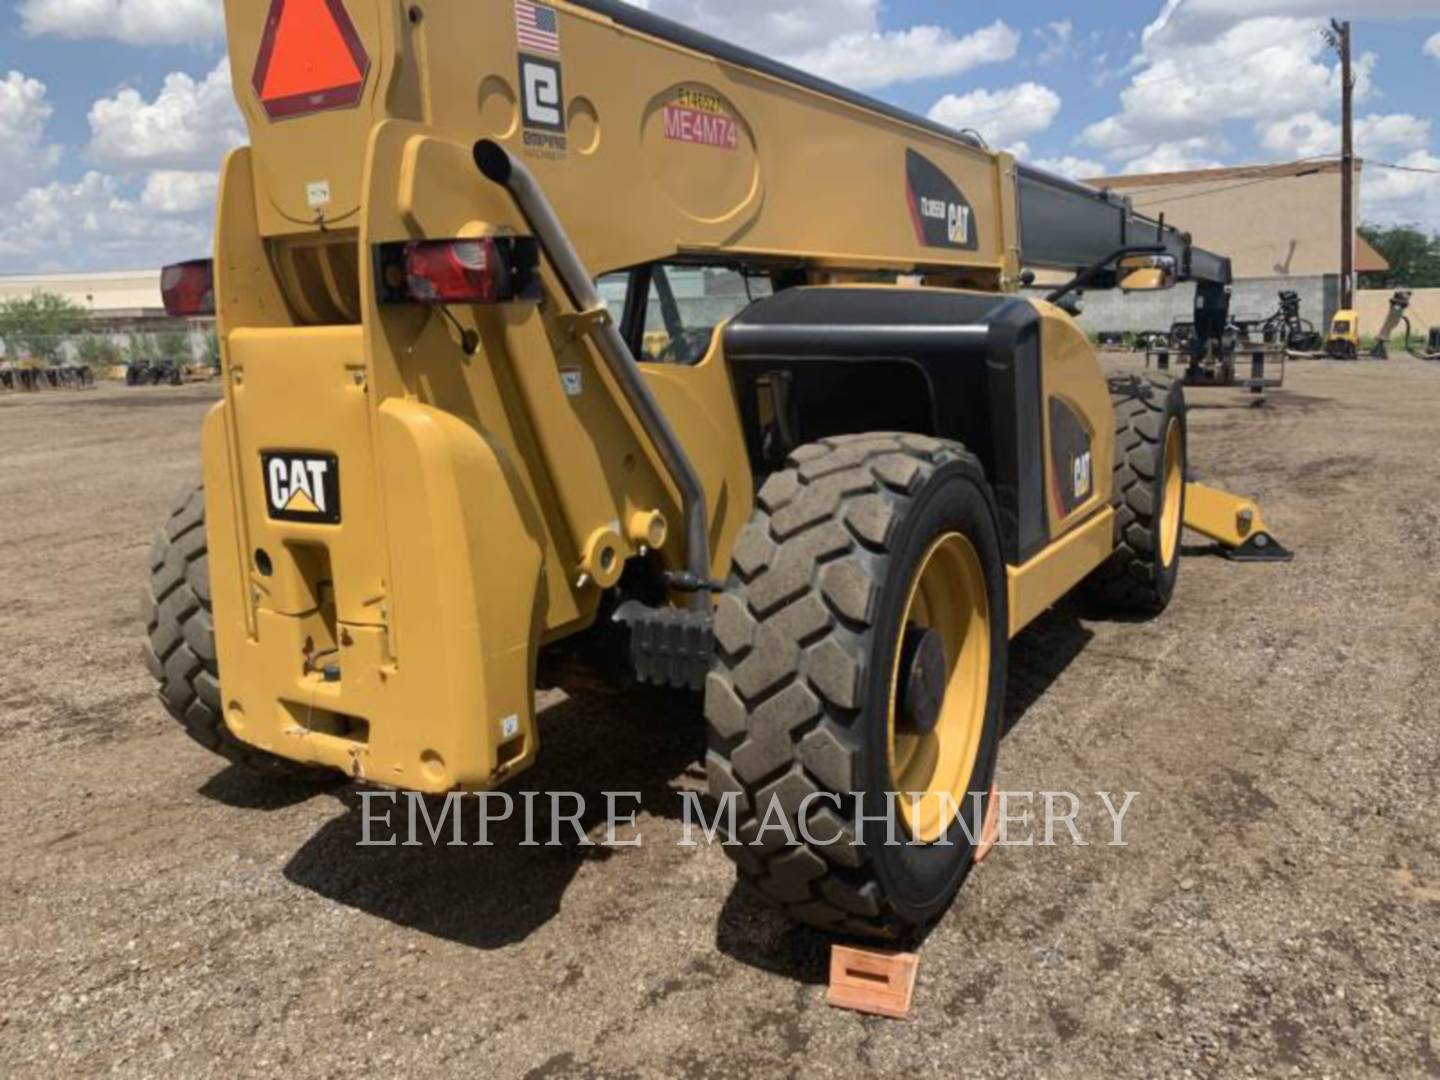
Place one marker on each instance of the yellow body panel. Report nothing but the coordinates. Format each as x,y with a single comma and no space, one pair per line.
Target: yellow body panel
1071,372
490,494
1036,586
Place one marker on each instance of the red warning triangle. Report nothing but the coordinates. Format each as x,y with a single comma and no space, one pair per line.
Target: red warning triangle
311,59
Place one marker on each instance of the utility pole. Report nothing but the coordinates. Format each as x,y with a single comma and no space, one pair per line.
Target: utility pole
1339,37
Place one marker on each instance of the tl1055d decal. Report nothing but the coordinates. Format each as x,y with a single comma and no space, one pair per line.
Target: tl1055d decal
942,216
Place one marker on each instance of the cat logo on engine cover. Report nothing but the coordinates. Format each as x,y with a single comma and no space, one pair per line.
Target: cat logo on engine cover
302,487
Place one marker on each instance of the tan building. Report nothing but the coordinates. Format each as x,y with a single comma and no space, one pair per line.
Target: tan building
1279,224
1272,220
123,305
116,295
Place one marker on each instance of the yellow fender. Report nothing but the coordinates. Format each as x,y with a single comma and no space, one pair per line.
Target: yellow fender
1233,523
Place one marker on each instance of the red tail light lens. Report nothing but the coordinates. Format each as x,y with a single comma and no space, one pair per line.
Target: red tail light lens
478,270
455,271
188,288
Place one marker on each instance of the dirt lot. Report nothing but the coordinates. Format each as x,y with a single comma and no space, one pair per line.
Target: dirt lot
1277,910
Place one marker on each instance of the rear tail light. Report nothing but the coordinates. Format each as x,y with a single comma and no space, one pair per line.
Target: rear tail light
480,270
454,271
188,288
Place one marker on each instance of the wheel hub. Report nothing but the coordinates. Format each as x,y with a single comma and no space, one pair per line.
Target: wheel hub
923,690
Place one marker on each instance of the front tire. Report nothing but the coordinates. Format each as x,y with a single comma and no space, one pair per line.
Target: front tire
180,643
861,649
1148,496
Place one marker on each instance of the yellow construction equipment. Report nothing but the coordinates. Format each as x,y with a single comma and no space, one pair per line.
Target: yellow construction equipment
1343,342
562,344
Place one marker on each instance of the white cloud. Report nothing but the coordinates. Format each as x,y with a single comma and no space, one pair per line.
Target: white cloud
1308,134
134,22
1054,41
1258,69
89,224
154,200
24,154
842,39
1076,168
1396,196
173,191
1432,46
1199,20
1304,135
1001,116
773,29
870,60
189,125
1181,155
1206,62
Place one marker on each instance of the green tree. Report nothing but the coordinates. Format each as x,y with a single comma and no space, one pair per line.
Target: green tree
212,350
174,345
1413,256
39,325
142,347
97,351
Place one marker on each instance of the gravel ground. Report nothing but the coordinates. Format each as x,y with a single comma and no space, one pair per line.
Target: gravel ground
1275,911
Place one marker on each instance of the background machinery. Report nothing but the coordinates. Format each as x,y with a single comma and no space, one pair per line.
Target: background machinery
1288,326
1399,316
1394,319
562,344
1343,341
1218,350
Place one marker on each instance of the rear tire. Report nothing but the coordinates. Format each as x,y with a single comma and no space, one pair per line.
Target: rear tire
804,700
1150,457
180,643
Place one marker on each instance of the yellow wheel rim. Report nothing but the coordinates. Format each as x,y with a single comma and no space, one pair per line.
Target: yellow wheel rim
948,598
1173,494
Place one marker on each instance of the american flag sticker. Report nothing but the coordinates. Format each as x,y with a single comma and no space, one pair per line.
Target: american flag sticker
537,28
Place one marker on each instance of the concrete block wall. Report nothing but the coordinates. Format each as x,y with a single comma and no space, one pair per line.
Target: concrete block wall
1251,298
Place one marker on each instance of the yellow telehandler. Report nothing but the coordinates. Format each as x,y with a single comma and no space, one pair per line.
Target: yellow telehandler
562,343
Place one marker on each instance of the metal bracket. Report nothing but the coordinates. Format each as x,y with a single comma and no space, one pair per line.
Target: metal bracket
1233,523
579,325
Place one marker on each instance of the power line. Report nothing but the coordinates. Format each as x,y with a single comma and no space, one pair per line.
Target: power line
1402,168
1162,200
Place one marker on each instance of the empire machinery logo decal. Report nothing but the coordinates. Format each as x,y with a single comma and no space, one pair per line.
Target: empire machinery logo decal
942,216
302,487
701,118
542,88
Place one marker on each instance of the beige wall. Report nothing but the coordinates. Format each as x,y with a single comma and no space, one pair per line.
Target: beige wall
129,291
1374,305
1273,226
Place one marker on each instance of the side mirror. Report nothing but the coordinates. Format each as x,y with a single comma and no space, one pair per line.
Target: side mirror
1148,273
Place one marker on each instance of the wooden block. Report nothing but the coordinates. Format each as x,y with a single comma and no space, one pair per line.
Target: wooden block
990,831
872,981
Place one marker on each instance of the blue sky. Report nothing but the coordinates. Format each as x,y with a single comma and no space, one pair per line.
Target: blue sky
114,114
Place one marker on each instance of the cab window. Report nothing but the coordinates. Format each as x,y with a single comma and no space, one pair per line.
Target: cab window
682,307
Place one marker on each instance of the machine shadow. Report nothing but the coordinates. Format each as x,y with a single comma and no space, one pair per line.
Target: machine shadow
491,897
241,789
753,933
1041,654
